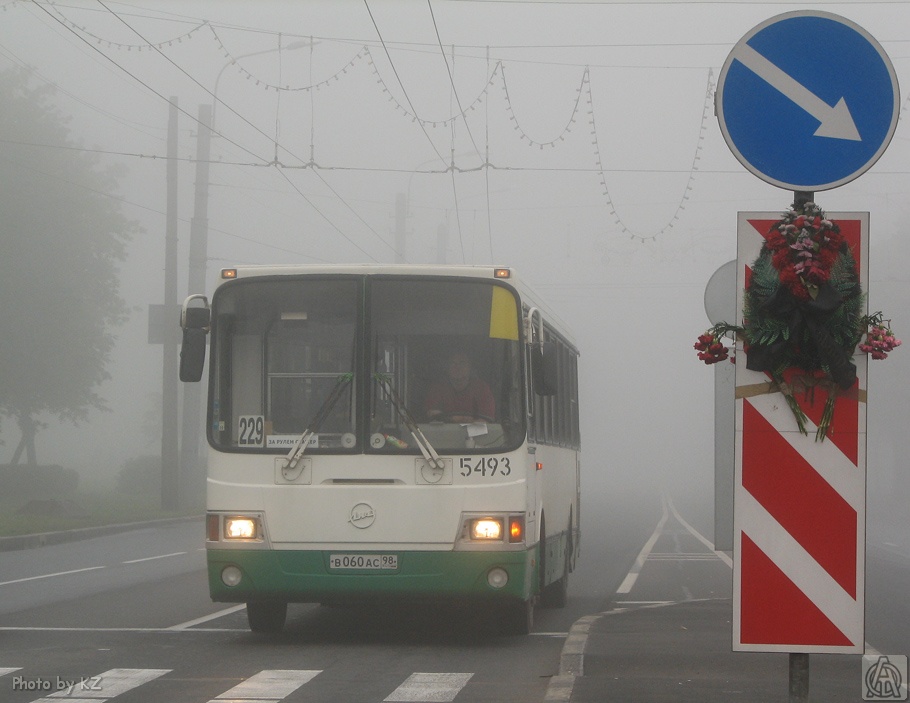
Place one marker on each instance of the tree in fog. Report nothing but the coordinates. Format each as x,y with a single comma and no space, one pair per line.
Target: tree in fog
61,238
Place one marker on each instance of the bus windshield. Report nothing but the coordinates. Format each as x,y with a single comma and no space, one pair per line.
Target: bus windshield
445,355
360,363
284,357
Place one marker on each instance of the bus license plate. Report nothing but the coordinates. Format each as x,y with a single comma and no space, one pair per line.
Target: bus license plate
369,562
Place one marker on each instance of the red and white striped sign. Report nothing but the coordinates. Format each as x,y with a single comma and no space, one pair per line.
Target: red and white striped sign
799,504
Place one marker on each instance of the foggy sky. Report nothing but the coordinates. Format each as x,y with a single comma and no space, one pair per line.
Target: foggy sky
630,285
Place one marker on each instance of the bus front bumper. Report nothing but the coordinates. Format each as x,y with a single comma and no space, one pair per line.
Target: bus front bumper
299,576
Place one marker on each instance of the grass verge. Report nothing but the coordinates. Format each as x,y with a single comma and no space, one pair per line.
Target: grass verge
83,509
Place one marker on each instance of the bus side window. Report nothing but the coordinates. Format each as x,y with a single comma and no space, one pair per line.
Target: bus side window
544,366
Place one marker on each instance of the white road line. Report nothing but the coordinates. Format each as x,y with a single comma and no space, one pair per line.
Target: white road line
269,685
160,556
632,576
429,688
120,629
628,582
47,576
682,555
702,556
698,535
104,686
571,663
207,618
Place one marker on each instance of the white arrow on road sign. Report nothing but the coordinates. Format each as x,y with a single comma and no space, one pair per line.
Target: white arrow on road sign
836,122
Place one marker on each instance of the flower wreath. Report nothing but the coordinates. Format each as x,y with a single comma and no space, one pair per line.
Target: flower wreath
803,310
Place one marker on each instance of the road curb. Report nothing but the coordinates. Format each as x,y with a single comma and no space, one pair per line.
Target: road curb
43,539
572,657
571,660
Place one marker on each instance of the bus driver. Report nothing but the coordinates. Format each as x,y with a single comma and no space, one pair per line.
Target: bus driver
460,396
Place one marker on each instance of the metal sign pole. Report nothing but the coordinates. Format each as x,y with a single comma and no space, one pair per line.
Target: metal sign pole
799,677
799,661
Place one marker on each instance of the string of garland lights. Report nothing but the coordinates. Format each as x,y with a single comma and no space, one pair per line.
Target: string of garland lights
693,169
119,45
266,85
482,97
524,135
148,46
416,118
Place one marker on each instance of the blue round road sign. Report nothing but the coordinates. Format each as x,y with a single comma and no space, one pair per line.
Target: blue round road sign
807,100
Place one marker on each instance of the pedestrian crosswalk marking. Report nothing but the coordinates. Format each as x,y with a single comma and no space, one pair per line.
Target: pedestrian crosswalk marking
268,686
429,688
91,689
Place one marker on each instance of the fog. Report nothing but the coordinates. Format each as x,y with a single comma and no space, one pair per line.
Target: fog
611,189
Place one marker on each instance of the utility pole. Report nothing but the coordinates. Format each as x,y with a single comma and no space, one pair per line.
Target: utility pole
199,225
170,458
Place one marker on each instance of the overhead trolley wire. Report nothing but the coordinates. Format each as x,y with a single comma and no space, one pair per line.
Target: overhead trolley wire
357,215
464,118
274,162
194,80
400,83
142,82
323,215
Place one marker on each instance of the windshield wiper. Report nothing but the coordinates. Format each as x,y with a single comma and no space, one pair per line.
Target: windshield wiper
429,453
296,453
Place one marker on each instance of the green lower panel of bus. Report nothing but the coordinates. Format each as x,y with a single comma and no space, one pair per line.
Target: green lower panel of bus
314,576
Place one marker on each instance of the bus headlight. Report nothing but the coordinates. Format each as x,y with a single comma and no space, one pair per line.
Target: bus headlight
486,528
241,528
492,531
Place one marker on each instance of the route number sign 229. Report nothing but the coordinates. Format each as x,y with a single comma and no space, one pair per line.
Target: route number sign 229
250,430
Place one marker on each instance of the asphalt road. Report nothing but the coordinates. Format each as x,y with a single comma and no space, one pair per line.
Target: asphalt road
128,617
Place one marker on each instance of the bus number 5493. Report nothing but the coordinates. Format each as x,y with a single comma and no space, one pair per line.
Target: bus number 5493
485,466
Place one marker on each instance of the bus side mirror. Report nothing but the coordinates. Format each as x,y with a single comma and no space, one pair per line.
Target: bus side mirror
543,368
195,323
192,355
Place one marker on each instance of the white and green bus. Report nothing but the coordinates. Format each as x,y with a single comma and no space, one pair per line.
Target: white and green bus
330,477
